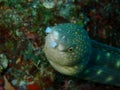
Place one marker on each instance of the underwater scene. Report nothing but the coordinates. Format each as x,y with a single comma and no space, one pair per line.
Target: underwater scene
59,44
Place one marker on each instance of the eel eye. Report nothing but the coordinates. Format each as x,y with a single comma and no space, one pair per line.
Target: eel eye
70,49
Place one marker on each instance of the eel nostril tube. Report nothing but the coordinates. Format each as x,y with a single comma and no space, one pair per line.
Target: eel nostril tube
48,30
53,44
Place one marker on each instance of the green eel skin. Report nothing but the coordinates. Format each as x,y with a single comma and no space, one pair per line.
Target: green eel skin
70,51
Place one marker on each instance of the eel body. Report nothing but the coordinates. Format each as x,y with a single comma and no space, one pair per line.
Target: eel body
70,51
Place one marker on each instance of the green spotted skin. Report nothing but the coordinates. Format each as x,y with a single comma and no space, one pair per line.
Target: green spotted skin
70,51
104,64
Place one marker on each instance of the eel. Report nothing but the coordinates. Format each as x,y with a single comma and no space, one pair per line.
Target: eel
70,51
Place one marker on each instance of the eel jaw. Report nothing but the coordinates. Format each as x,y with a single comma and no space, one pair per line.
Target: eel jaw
67,70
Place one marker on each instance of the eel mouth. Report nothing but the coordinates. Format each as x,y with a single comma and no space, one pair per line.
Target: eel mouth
66,70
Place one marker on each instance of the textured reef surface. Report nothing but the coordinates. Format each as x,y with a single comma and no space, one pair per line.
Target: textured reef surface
23,64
